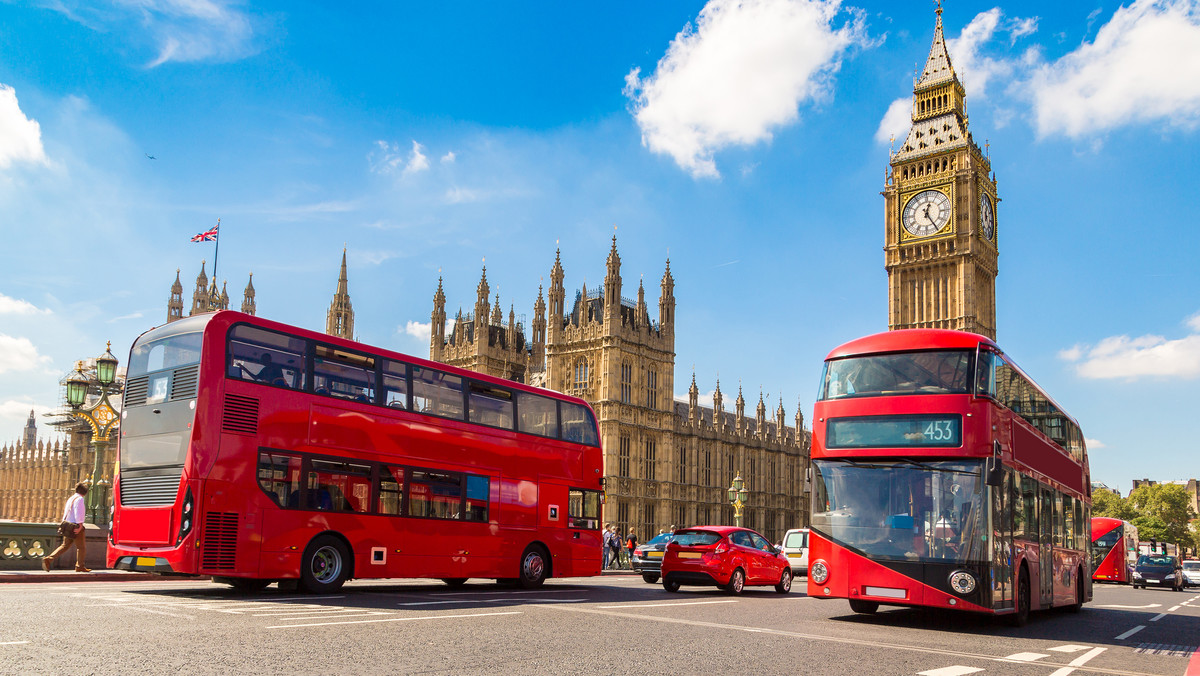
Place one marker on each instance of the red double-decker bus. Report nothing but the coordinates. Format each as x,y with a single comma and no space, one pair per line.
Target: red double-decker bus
944,477
253,451
1114,549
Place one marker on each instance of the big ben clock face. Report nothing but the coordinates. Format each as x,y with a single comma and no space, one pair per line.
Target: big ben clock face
926,213
987,217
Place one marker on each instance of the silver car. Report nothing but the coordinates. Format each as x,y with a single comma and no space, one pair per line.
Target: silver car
1191,573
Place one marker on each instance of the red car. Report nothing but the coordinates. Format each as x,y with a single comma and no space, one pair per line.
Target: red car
727,557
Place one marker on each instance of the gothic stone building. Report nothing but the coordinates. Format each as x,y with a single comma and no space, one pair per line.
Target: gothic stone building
666,463
940,244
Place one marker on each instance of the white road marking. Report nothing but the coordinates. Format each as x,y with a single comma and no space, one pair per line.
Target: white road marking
1078,662
1131,632
318,617
396,619
950,671
486,601
1070,648
1172,609
1148,605
660,605
14,643
1026,657
509,593
1158,617
161,612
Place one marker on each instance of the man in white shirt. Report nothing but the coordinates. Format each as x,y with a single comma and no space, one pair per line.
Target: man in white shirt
73,513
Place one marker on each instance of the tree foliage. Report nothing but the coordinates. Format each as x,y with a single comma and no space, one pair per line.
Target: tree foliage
1108,503
1164,513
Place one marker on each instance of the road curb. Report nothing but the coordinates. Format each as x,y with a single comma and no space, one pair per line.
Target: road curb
27,576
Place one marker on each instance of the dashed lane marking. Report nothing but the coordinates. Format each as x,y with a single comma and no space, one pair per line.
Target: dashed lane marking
1131,632
950,671
1148,605
395,619
661,605
510,593
14,642
1069,648
1026,657
1078,662
1173,609
487,601
1158,617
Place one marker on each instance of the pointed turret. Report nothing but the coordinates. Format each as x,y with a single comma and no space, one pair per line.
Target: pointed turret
938,68
482,291
538,351
340,319
693,402
175,303
718,409
200,294
612,287
642,317
556,297
939,113
30,433
224,304
248,304
497,317
760,417
740,406
666,303
437,323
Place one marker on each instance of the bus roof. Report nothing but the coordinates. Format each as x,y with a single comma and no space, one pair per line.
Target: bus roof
911,339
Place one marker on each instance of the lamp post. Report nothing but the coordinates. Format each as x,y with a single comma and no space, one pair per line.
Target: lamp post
738,496
101,417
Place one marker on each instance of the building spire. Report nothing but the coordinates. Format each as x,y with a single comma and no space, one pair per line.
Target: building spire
248,304
340,319
938,68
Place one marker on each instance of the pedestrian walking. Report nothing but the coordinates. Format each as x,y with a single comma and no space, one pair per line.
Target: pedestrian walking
72,532
605,536
631,544
614,548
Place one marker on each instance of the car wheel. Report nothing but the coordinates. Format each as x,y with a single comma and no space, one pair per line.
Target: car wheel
864,607
671,585
325,565
737,581
650,578
785,582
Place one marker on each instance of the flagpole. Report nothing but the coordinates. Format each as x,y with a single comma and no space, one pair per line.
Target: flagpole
217,253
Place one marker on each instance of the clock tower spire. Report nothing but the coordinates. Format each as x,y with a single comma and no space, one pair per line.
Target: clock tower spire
940,239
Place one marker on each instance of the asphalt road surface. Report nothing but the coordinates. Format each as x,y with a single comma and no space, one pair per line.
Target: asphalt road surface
608,625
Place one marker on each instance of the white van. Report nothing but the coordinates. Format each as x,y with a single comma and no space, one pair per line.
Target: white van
795,548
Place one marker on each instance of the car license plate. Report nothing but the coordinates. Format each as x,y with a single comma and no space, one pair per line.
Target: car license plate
145,561
689,555
795,555
654,555
1150,579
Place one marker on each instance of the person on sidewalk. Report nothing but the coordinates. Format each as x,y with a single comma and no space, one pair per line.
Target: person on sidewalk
73,515
631,544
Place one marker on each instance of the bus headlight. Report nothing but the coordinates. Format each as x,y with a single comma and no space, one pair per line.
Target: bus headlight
962,582
819,572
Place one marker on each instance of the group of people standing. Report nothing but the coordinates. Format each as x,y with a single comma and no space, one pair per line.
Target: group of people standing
612,544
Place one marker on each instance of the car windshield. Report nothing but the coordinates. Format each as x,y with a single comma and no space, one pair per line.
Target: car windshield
692,538
660,539
907,511
930,372
1191,565
794,540
1146,560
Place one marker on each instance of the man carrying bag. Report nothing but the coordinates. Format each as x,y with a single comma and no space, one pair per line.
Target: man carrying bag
72,532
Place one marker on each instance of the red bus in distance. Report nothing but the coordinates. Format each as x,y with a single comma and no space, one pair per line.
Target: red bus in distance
1114,549
254,451
942,476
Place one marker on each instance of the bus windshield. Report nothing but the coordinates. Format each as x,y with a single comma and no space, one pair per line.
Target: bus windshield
165,352
928,511
927,372
1103,545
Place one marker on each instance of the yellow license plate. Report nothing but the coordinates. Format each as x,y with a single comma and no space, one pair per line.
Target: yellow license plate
690,555
654,555
794,555
145,561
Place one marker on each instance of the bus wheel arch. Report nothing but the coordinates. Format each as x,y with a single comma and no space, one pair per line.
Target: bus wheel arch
1079,592
327,562
1023,598
535,566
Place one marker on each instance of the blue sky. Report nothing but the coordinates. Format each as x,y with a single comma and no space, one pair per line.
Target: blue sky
748,141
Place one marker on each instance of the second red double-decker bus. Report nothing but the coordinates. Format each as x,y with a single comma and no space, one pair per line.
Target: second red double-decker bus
253,451
944,477
1114,549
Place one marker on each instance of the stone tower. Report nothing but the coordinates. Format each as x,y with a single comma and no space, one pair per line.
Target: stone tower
248,305
175,303
200,297
340,320
481,341
940,241
29,437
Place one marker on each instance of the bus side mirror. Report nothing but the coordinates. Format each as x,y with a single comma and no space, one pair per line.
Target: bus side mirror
993,472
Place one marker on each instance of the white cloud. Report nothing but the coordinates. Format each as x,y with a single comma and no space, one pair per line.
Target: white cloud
1093,444
740,73
458,195
1143,66
418,330
1131,358
1019,28
449,157
20,137
14,306
19,354
895,121
388,158
416,160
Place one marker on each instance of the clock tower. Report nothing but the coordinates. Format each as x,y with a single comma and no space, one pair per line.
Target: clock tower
940,242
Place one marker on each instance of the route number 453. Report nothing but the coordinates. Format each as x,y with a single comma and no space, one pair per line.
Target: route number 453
939,430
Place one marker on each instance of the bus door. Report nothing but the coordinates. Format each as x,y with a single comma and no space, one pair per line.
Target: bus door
1001,552
1045,545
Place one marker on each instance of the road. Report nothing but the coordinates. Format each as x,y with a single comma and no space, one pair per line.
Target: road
608,625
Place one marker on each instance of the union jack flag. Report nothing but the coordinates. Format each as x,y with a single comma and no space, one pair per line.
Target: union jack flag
208,235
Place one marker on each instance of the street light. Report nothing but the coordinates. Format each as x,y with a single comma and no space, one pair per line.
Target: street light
738,496
101,417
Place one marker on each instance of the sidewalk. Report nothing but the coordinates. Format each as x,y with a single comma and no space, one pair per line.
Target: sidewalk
97,575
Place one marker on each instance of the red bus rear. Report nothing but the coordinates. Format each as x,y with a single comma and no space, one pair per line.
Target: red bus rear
254,451
943,477
1114,549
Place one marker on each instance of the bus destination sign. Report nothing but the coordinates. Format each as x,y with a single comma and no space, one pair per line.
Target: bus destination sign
895,431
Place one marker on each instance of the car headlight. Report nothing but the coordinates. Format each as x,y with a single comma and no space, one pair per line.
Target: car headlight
819,572
962,582
1137,575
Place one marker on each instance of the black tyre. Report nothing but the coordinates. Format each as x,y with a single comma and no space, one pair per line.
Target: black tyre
864,607
737,581
1078,605
325,566
535,567
1021,617
785,582
650,578
455,581
670,585
243,584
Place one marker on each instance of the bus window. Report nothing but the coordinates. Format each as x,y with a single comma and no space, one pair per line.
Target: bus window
266,357
929,372
395,384
279,476
478,493
165,353
578,424
338,486
437,393
436,495
391,489
342,374
537,415
985,374
583,509
489,405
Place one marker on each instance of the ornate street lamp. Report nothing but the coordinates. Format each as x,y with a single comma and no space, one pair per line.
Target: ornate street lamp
101,417
739,495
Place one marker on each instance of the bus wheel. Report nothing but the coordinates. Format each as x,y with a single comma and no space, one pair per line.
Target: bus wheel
1078,605
455,581
324,567
785,582
1021,617
737,582
534,568
243,584
864,607
650,578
